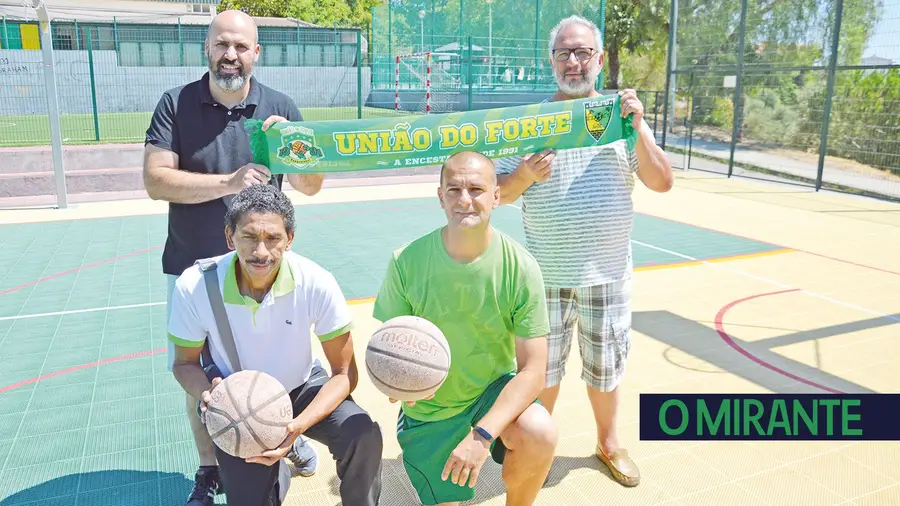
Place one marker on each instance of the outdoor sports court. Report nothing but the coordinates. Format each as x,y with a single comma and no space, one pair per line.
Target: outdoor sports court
741,287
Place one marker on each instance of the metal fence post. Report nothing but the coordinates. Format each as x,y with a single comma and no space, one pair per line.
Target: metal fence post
301,56
690,149
655,110
670,67
602,26
738,89
390,52
359,74
829,90
370,33
537,37
180,43
90,50
459,29
334,40
469,77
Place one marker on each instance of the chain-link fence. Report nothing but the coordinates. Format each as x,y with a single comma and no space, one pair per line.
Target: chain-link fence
801,91
110,75
498,45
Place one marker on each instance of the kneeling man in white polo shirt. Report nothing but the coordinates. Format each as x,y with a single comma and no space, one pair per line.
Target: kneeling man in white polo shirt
274,300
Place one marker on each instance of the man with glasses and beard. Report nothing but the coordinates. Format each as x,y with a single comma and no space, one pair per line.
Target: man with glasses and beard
578,216
197,157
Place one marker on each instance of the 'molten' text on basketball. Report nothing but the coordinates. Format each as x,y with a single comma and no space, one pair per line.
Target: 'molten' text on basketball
395,339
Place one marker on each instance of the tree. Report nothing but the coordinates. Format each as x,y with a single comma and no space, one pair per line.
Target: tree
637,27
258,8
339,13
320,12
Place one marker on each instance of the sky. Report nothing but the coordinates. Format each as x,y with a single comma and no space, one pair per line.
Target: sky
885,41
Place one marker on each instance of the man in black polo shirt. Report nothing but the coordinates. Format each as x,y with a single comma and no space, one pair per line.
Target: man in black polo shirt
197,157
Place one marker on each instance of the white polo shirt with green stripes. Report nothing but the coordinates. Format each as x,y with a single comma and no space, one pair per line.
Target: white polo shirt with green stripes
274,336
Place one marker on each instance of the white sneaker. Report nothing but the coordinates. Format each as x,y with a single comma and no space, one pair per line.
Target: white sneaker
304,457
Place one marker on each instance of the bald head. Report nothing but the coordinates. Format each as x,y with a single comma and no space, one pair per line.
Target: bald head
232,50
468,191
233,21
469,161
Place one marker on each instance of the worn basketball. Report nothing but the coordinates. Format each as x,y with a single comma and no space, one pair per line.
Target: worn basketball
248,414
408,358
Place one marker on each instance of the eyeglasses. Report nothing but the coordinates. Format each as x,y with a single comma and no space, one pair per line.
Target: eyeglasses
581,54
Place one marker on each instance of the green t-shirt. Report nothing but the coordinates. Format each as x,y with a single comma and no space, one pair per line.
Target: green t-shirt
481,307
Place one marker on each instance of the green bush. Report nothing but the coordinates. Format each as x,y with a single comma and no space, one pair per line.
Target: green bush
722,113
865,118
768,119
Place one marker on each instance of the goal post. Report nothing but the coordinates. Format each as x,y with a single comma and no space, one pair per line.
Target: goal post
56,145
427,71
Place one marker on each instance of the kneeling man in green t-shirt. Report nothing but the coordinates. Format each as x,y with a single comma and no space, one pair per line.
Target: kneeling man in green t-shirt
486,294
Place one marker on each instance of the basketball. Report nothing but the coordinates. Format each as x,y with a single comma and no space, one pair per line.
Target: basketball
408,358
248,414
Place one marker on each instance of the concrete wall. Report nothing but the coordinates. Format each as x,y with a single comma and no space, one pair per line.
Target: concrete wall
452,101
137,89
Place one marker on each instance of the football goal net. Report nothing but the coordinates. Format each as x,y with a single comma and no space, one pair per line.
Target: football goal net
431,80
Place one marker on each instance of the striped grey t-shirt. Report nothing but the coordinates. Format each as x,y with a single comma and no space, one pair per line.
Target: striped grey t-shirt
578,223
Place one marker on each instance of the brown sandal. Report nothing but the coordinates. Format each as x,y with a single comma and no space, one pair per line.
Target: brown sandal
623,469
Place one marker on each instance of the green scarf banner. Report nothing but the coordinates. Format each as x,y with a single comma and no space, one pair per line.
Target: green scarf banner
416,141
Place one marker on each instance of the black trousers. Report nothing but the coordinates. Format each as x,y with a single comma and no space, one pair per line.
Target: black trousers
352,437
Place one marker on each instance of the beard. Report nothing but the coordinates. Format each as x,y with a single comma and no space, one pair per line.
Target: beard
229,82
581,86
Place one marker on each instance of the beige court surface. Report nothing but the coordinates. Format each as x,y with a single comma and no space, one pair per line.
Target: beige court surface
820,315
837,327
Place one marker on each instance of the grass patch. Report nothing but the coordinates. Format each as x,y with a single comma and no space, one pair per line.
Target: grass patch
34,130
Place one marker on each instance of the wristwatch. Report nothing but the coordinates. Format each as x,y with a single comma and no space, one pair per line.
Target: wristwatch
483,433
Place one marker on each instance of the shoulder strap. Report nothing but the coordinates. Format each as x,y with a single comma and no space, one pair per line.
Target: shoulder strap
208,267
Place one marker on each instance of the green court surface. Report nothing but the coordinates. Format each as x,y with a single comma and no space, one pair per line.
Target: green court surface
129,127
105,423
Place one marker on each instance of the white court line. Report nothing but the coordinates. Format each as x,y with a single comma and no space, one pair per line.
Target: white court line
760,278
639,243
76,311
770,281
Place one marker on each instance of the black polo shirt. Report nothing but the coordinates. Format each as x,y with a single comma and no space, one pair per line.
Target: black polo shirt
209,138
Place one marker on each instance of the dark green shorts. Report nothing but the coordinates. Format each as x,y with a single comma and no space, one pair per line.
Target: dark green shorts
427,446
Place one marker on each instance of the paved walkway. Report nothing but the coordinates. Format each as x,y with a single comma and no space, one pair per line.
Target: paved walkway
790,166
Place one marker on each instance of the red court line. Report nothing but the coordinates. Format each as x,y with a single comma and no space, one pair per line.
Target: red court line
773,244
80,367
70,271
109,260
54,374
720,328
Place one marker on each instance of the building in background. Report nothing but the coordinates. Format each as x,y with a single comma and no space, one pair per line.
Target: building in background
875,60
128,11
167,33
19,28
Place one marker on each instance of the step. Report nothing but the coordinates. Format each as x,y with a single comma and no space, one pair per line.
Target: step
81,181
37,159
38,183
48,199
